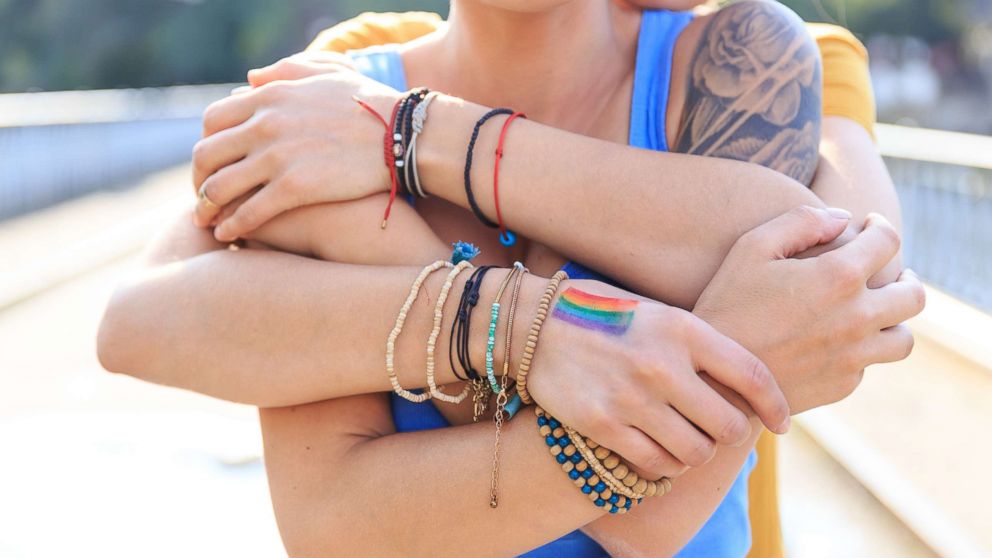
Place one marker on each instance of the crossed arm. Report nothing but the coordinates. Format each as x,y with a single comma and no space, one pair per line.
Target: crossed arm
319,454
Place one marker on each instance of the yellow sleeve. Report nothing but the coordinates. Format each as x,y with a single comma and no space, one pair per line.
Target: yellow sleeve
846,82
371,28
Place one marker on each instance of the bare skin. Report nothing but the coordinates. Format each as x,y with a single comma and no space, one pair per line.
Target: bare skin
282,436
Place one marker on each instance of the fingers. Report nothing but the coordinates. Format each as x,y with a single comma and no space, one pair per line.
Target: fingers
796,231
212,153
898,301
228,184
270,201
300,66
710,412
650,459
870,251
735,367
891,345
227,113
678,436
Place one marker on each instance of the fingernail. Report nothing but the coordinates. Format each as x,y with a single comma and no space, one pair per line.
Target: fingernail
838,213
785,426
221,234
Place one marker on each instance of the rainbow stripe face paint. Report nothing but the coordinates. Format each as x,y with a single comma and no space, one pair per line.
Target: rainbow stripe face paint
599,313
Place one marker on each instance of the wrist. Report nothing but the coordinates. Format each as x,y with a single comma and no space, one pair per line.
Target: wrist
531,288
441,148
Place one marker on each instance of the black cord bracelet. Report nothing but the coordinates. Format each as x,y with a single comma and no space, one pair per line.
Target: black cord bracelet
458,341
402,130
468,166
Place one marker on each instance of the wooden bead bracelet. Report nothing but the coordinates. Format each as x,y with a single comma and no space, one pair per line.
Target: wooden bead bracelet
535,331
595,470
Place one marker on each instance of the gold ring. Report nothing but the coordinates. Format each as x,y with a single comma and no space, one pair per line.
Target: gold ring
204,199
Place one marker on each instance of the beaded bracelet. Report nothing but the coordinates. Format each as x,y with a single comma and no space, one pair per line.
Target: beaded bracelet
398,328
432,340
535,331
589,467
493,318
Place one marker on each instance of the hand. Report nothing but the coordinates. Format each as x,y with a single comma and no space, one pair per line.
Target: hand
640,393
301,65
295,138
814,321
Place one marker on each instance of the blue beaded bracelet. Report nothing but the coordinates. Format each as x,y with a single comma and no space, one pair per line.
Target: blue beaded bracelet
582,474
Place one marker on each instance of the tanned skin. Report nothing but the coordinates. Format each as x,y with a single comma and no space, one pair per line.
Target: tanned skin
754,93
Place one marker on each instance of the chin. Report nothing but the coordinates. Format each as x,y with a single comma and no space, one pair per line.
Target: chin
673,5
525,6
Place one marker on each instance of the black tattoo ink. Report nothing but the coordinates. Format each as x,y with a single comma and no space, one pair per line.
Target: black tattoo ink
754,91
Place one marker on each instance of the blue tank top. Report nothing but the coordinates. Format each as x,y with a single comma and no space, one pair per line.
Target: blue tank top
727,533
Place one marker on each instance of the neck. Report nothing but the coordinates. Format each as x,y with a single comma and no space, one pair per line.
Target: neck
561,66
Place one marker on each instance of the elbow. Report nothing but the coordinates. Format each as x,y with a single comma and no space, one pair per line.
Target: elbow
112,338
307,532
120,341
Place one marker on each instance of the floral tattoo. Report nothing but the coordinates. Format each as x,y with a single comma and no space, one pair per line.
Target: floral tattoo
754,94
599,313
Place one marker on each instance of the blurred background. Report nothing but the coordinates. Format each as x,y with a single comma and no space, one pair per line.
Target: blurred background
100,103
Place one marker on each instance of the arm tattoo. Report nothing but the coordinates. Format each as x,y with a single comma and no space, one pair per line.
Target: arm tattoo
754,93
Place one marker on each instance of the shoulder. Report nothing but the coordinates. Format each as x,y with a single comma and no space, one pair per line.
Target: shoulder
749,88
373,28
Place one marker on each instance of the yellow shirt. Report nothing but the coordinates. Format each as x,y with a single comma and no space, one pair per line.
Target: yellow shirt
846,92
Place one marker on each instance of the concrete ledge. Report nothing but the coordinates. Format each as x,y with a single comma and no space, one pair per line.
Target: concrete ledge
956,326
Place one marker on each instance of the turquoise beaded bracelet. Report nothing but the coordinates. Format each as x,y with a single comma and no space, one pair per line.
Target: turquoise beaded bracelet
490,345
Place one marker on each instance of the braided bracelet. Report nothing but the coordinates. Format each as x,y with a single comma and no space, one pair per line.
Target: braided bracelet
535,331
398,328
468,166
589,467
417,121
432,340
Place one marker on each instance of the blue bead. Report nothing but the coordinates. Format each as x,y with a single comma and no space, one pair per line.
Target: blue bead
573,474
561,458
576,457
628,502
600,486
554,424
564,441
541,421
550,440
586,489
600,502
614,499
614,509
587,473
507,239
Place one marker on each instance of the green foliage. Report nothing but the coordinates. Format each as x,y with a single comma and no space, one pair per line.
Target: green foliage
930,20
87,44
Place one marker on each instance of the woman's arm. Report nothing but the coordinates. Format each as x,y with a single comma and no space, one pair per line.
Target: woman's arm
343,484
852,175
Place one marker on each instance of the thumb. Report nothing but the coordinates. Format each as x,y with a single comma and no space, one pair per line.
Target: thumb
798,230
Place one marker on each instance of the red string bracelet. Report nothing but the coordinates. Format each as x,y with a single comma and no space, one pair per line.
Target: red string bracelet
388,143
506,237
